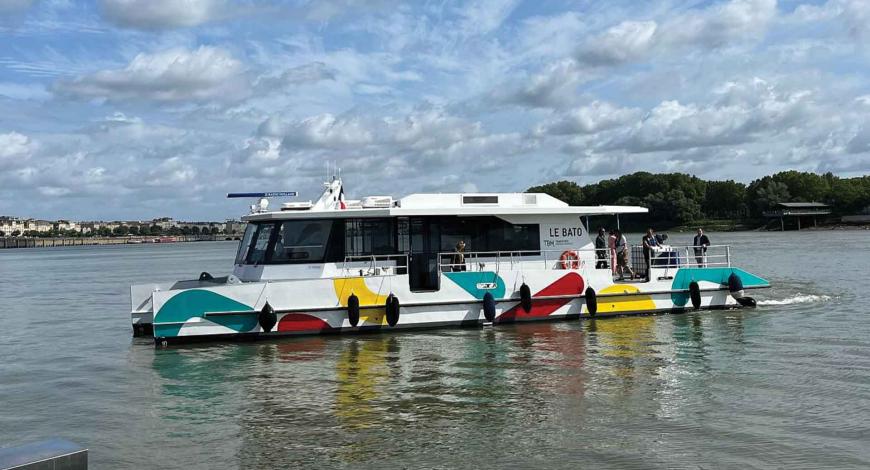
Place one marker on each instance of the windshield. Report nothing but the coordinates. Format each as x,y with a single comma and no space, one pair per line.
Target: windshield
242,253
257,253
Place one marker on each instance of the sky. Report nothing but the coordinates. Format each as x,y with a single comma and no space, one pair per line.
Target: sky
133,109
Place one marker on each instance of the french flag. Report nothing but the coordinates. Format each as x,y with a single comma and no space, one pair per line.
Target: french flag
341,204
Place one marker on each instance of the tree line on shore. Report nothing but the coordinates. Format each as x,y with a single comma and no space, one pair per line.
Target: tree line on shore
119,231
678,199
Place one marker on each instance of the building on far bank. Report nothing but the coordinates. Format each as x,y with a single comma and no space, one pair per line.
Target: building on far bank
165,223
808,211
234,227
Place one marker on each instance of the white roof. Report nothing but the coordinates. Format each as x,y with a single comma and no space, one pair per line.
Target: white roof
461,204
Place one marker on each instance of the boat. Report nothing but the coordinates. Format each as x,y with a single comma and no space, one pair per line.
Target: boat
336,266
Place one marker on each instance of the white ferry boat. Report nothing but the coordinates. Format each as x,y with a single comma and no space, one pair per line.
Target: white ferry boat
336,266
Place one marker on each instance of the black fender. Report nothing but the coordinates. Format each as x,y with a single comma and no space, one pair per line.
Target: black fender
747,302
526,297
735,284
488,307
353,310
392,307
695,294
267,318
591,301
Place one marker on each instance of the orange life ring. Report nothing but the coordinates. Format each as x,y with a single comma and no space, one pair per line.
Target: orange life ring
569,259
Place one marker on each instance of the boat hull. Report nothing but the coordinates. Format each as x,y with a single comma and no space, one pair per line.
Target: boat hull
320,306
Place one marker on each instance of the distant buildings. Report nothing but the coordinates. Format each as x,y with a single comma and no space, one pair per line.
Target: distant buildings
17,226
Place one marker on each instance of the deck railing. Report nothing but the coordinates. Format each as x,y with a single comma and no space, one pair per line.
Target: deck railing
665,257
375,265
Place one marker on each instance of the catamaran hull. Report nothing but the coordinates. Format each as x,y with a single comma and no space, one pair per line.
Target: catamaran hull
209,312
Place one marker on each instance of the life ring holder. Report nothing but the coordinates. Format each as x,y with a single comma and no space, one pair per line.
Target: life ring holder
569,260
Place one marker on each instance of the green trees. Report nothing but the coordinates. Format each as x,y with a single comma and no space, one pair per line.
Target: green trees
565,191
724,199
679,199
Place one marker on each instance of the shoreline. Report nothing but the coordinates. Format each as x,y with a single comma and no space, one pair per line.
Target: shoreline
52,242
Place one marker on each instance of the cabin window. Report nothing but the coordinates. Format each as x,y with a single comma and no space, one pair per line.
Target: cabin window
242,254
488,234
364,237
259,248
302,241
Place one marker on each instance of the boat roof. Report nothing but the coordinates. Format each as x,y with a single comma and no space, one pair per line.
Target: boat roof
446,204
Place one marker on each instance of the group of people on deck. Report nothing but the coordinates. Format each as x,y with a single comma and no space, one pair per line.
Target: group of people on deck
613,244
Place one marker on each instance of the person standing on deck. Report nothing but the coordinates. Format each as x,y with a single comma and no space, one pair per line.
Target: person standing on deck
622,253
700,244
649,241
611,244
601,249
458,261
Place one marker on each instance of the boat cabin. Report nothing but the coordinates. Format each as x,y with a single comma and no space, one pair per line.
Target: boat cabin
415,236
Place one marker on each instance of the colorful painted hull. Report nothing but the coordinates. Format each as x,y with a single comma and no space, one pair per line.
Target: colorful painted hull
319,306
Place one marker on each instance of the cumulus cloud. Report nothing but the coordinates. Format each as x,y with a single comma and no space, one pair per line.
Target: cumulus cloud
15,149
853,14
592,118
422,129
206,73
714,26
304,74
162,14
555,86
741,112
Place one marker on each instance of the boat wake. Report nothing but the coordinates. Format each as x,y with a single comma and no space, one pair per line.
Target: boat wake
796,299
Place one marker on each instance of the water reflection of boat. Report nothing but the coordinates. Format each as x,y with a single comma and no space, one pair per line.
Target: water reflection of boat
336,266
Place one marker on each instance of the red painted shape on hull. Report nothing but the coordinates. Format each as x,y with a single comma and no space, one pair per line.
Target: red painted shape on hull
569,284
301,322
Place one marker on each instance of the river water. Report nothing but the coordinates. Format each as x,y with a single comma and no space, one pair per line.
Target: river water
786,385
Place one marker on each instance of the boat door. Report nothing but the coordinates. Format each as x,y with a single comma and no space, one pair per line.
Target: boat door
425,240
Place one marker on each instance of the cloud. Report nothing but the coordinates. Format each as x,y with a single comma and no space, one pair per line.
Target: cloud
853,14
625,42
162,14
15,149
555,87
742,111
206,73
712,27
590,119
425,128
484,16
304,74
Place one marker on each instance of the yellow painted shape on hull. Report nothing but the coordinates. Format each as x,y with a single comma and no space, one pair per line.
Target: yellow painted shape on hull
357,286
624,303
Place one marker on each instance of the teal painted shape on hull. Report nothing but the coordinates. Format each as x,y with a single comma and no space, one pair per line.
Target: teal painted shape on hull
718,275
468,281
194,303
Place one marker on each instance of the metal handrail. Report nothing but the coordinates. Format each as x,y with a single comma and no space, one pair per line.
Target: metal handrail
720,256
373,264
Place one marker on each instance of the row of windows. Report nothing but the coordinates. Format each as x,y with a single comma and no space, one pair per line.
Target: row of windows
331,240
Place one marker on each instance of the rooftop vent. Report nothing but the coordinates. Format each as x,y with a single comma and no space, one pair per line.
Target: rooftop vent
377,202
480,199
296,206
